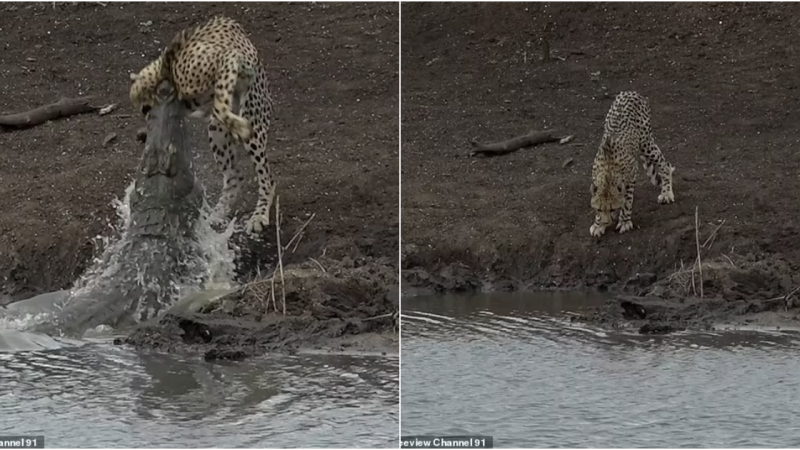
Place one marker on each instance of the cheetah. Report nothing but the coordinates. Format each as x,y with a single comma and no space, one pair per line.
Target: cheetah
627,134
215,66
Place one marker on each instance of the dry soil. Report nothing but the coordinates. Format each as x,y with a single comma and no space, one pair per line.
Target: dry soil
722,83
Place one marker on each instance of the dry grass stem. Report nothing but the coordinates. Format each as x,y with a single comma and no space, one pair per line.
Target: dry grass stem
730,261
713,235
264,288
280,251
378,317
299,233
697,242
788,296
318,264
294,249
272,293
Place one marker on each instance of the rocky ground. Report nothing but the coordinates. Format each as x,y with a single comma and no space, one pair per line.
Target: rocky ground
721,79
334,75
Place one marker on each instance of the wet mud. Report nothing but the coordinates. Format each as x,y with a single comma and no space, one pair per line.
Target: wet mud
330,305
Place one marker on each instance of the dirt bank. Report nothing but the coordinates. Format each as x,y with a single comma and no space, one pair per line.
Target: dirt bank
722,84
734,293
334,75
330,306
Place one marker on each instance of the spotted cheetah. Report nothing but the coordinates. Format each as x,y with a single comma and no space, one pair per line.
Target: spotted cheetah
627,134
215,66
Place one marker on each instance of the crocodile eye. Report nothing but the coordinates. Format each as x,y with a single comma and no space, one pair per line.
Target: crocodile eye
146,109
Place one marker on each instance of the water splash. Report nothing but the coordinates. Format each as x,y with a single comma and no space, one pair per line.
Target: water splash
209,259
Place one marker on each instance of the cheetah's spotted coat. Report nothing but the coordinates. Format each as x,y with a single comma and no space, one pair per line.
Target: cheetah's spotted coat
627,134
215,64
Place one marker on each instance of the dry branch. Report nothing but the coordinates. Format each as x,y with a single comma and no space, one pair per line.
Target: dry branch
514,144
63,108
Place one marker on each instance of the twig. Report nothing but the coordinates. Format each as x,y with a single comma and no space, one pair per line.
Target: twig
296,244
252,287
272,293
713,233
697,242
786,298
107,109
320,265
378,317
729,260
280,252
299,231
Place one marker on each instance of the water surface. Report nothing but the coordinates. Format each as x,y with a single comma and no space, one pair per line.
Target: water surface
514,367
102,395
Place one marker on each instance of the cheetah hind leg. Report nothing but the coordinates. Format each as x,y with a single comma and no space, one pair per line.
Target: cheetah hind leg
226,92
659,171
223,148
257,148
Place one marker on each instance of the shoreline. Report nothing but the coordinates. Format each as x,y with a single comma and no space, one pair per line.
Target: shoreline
739,291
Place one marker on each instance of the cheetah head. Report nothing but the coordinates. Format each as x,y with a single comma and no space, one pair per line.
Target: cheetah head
143,87
607,197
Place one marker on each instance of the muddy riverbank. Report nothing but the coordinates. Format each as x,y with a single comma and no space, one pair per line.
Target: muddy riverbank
521,221
333,146
330,306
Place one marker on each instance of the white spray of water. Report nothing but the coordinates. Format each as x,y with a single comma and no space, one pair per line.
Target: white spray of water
213,266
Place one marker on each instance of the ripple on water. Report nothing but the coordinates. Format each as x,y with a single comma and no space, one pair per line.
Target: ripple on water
281,401
514,367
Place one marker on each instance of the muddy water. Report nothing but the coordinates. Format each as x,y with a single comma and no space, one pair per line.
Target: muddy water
512,367
108,396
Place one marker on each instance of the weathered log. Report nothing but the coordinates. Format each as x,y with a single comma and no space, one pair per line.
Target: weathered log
513,144
63,108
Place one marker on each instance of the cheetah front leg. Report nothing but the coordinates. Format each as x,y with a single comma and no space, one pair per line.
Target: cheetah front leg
624,222
601,221
225,92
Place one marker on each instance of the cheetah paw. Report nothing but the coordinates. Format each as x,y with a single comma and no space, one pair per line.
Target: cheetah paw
597,230
625,226
241,128
257,223
666,197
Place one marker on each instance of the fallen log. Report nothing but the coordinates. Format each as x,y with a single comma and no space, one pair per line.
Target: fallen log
63,108
513,144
